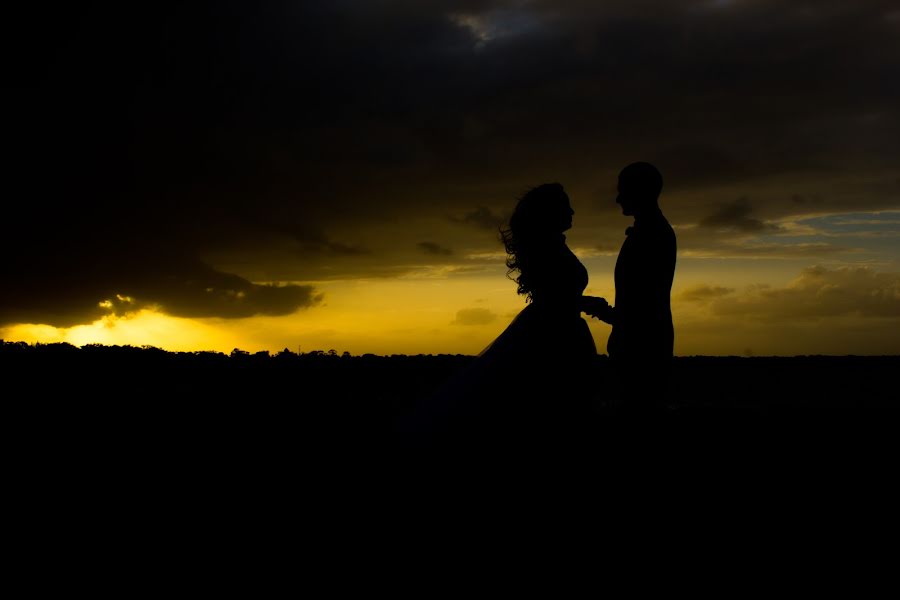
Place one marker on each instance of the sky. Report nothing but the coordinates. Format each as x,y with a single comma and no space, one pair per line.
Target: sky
331,175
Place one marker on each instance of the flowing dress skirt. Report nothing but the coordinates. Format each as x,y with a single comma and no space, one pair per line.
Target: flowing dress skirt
535,376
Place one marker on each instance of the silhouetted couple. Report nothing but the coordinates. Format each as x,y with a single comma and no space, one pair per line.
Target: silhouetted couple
540,374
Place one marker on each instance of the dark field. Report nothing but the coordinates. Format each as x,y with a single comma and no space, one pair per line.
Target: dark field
347,400
157,444
111,375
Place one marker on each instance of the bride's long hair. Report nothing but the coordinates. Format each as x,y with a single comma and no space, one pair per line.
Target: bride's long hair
528,233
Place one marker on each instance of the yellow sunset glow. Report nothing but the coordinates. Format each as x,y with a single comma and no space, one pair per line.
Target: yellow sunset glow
146,327
416,315
748,311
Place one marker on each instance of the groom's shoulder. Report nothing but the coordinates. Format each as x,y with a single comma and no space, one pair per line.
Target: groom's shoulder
662,228
667,230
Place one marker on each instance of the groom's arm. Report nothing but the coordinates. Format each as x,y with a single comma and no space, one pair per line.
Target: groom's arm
598,308
608,315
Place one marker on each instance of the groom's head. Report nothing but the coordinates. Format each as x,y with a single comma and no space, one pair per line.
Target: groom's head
639,186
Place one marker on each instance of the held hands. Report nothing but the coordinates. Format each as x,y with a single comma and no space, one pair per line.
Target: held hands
598,308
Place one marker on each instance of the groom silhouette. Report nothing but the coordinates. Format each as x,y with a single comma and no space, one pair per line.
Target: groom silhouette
641,342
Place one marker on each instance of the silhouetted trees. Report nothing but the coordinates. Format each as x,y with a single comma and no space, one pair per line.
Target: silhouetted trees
385,385
381,386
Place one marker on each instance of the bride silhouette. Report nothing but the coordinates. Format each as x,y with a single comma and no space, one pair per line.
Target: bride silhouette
532,377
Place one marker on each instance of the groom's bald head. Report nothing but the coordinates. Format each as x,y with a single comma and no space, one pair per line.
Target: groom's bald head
640,184
643,178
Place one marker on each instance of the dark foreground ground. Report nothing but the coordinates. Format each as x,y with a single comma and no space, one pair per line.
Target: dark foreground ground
195,455
128,395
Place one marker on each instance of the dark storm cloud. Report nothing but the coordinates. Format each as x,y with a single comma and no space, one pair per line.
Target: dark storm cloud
316,242
434,249
706,242
819,292
87,288
736,216
481,218
801,199
273,129
196,290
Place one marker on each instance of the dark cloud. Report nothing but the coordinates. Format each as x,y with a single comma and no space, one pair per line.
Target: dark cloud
481,218
269,138
697,247
736,216
819,292
474,316
78,290
434,249
801,199
326,247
